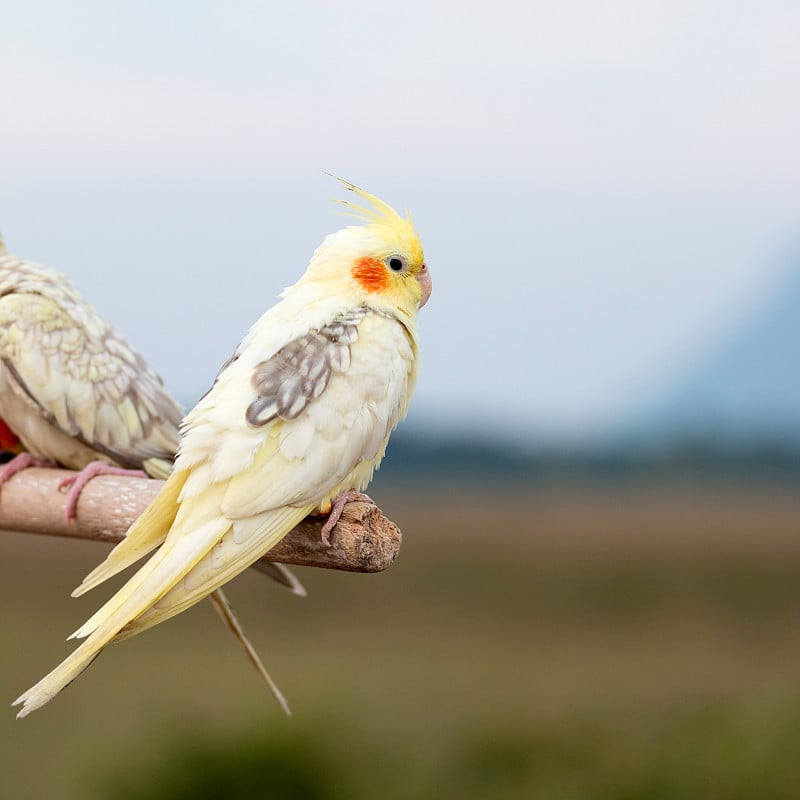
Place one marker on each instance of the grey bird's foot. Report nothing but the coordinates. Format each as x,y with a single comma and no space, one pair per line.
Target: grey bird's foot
338,506
92,470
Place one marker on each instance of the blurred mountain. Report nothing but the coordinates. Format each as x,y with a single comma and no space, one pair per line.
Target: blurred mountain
736,414
745,393
415,457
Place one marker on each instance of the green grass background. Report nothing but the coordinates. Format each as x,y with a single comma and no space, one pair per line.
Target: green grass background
570,642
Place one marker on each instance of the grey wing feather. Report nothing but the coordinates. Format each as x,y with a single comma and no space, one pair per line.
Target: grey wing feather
299,372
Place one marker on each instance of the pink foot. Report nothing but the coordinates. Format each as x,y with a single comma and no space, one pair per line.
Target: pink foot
336,510
19,463
92,470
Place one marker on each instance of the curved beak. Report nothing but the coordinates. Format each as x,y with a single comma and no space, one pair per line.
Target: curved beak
424,278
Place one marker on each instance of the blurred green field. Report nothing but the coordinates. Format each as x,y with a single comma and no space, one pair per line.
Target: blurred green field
569,642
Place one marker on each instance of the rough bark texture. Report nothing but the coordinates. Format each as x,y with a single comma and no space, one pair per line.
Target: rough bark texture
362,541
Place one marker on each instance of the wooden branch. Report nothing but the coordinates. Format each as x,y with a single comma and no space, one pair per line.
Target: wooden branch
362,541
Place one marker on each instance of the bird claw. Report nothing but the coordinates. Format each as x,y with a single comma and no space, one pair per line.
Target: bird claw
19,463
79,480
336,511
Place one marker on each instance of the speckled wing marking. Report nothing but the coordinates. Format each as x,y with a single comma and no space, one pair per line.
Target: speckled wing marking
77,372
299,372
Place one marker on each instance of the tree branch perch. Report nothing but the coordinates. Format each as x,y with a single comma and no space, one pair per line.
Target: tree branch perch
364,540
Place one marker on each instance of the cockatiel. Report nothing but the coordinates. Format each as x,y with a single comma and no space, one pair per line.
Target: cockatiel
71,388
75,393
299,417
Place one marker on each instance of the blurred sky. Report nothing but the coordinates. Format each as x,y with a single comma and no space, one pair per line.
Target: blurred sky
603,189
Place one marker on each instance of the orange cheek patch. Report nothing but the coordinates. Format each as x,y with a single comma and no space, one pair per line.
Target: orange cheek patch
370,274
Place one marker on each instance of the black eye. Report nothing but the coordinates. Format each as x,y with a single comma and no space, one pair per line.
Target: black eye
396,264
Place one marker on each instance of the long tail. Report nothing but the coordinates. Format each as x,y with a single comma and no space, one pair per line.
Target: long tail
66,672
184,570
153,580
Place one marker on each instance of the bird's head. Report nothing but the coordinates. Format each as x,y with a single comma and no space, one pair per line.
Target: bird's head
380,262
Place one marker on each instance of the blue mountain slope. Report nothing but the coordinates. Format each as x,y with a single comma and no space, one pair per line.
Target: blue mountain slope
746,392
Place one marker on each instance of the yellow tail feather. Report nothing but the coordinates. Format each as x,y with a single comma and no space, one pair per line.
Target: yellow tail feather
164,570
265,531
204,535
147,533
66,672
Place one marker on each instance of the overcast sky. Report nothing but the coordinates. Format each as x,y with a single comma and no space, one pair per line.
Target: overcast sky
604,190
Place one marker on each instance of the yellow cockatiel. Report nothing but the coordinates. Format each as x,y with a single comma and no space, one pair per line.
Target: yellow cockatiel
77,394
299,417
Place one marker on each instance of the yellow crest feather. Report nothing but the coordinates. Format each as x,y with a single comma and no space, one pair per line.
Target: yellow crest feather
381,213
